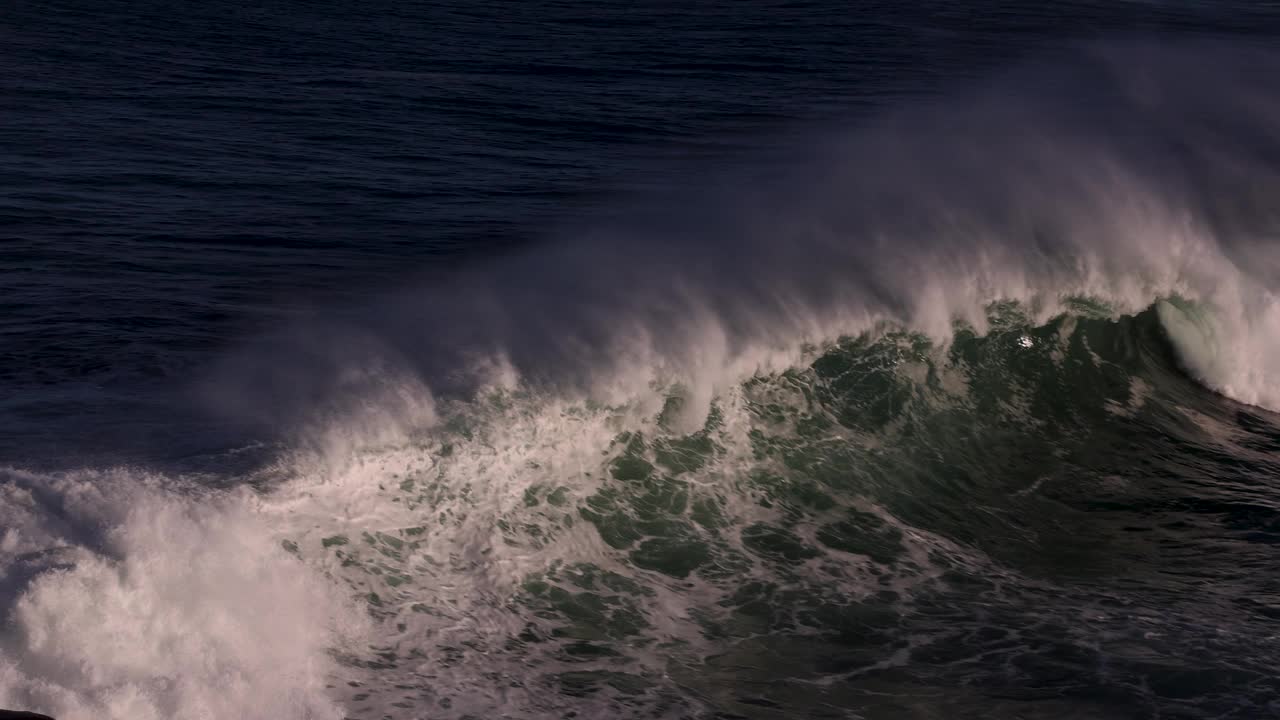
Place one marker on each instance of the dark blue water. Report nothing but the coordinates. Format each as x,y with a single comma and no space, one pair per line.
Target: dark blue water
179,177
779,260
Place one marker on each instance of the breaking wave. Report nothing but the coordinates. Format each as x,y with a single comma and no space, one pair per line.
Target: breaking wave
917,418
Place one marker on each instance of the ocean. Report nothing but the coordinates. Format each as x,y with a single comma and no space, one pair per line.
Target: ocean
754,360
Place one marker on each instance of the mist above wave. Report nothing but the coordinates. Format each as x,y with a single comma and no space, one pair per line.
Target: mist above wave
1127,173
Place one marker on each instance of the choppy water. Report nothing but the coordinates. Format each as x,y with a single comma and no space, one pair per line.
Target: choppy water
762,360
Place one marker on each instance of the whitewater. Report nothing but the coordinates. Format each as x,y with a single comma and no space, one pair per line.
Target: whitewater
966,412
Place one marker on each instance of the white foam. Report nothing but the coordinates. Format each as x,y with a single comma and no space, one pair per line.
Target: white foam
146,601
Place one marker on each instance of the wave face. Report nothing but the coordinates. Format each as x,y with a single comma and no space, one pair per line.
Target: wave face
970,417
1029,521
